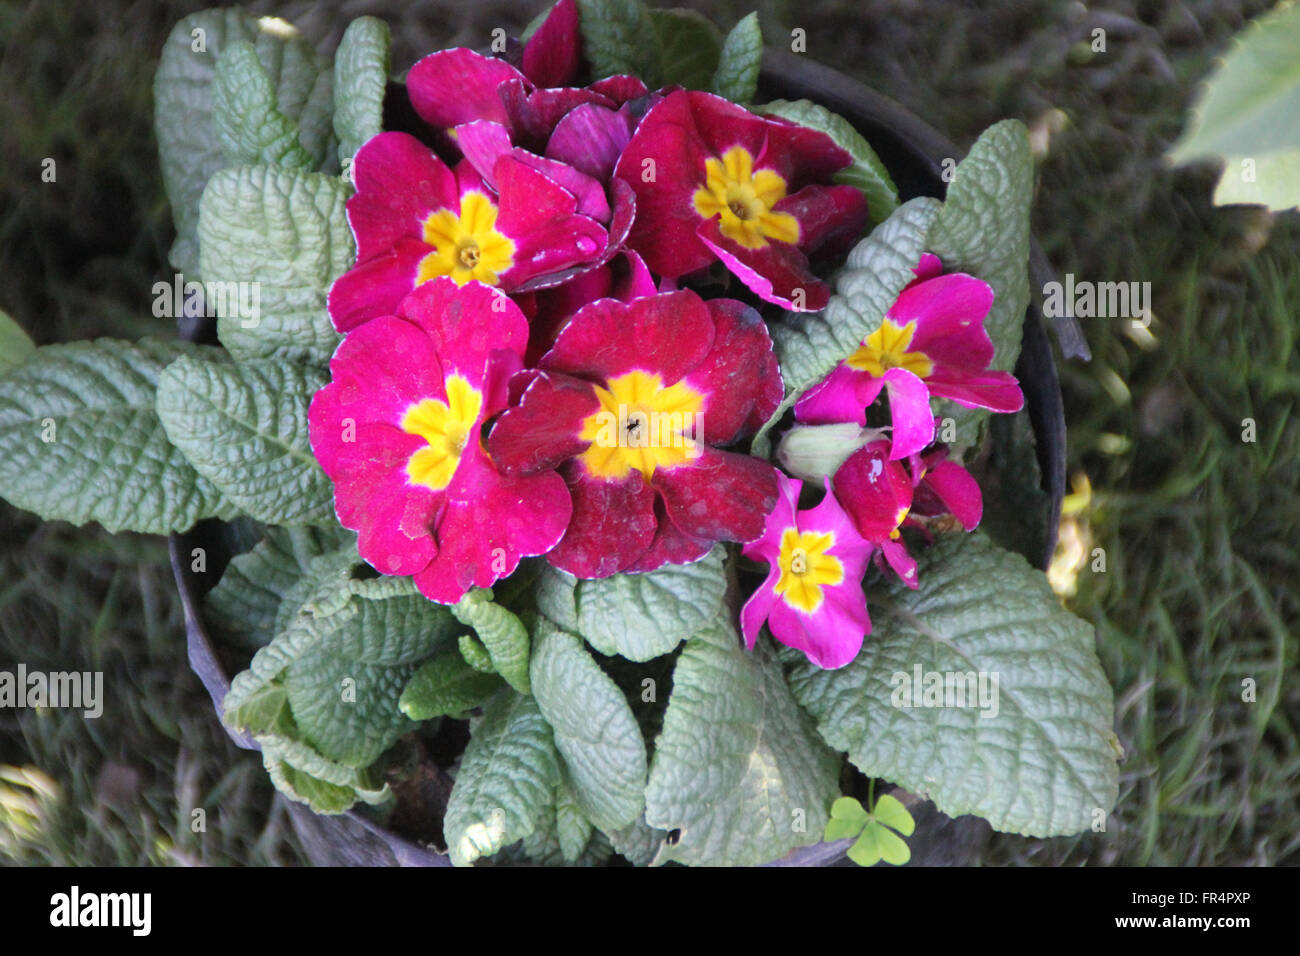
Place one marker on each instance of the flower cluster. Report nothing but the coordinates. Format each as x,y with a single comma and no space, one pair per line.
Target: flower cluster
531,366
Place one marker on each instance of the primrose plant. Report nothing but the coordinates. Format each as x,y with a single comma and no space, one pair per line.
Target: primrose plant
593,438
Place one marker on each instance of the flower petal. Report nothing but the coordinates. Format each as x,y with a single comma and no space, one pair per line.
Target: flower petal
613,524
400,182
843,396
909,412
591,137
874,490
542,430
777,272
551,55
957,491
720,495
377,286
456,86
740,377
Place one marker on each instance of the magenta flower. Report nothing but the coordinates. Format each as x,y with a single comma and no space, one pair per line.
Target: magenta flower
714,181
812,599
931,342
399,432
415,219
631,405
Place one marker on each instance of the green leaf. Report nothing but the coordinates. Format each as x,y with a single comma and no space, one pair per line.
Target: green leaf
637,616
360,80
189,148
810,345
244,428
595,730
1043,764
1016,508
890,811
638,842
246,603
618,37
446,686
250,127
15,345
303,775
742,56
80,440
264,710
1271,180
690,47
475,654
506,782
1250,104
847,819
738,770
879,843
572,827
284,234
502,633
867,173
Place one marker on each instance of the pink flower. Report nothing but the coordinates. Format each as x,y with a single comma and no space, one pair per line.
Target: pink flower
812,599
399,432
415,219
714,181
632,405
931,342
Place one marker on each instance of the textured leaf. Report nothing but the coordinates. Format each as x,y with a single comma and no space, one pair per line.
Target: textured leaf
638,842
80,439
1045,763
15,345
690,47
506,781
246,603
810,345
502,633
475,654
1271,180
595,731
189,149
244,428
304,775
867,173
286,233
637,616
742,56
1250,104
360,79
738,769
248,123
572,827
446,686
618,37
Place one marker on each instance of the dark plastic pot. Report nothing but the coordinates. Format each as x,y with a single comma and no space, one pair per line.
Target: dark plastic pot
913,152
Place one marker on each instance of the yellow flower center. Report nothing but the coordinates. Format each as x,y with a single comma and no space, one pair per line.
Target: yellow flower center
643,426
744,199
468,246
445,426
806,568
886,348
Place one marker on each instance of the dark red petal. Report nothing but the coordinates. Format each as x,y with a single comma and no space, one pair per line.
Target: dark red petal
542,430
377,286
778,272
875,491
956,490
831,218
400,183
467,324
720,496
613,524
552,53
740,377
591,138
533,114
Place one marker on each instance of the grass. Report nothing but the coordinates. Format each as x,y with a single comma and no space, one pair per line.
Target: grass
1200,530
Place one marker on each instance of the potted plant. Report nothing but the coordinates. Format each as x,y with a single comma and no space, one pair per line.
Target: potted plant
587,462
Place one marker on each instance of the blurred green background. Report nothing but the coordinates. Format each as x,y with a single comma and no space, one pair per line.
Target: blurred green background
1201,530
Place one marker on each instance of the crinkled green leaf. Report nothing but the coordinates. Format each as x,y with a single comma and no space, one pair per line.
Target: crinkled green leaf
742,56
506,782
246,603
690,47
244,428
637,616
1249,106
502,633
15,345
810,345
265,710
475,654
595,731
618,36
573,829
189,148
1044,765
249,125
638,842
305,776
360,79
1271,180
285,232
80,439
739,771
446,686
867,173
